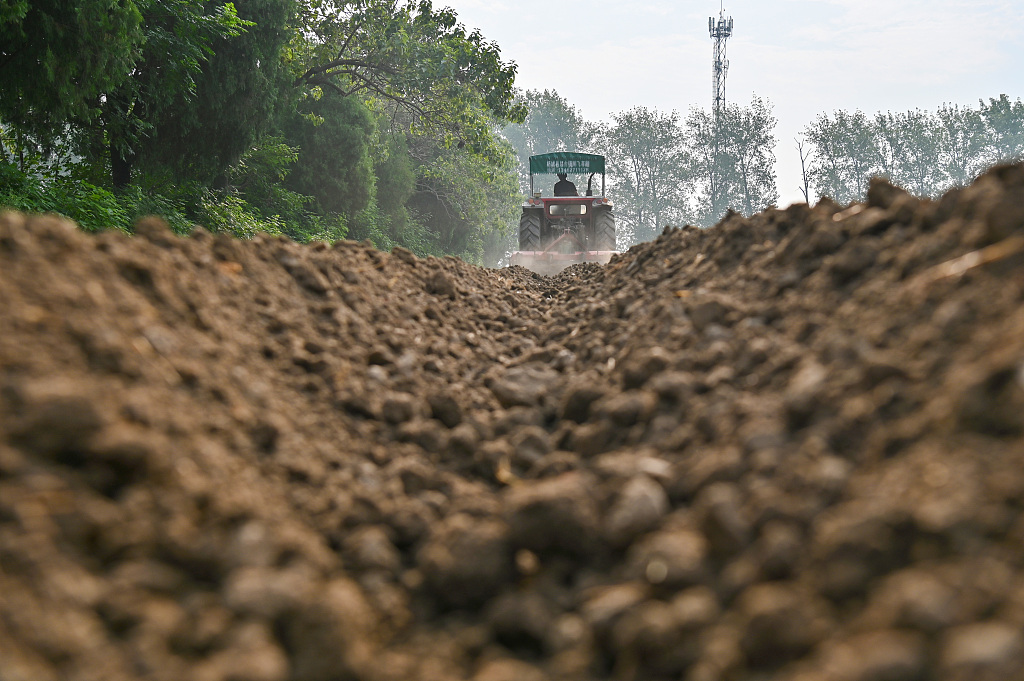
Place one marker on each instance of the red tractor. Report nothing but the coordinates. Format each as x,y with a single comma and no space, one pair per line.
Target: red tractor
565,229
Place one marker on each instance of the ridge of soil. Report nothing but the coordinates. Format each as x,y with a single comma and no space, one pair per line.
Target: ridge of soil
787,447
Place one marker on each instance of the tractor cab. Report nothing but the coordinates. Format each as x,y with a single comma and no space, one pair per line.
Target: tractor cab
558,231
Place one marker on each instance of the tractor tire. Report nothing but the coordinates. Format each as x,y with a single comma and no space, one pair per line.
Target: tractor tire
604,231
529,231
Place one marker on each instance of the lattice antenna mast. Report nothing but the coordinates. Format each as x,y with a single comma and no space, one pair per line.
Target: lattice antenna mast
720,32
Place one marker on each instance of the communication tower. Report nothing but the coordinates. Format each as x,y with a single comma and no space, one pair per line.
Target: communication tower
720,31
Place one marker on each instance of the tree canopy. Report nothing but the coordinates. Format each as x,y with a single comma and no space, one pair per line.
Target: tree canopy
55,64
238,88
314,118
447,82
925,152
388,120
552,124
644,148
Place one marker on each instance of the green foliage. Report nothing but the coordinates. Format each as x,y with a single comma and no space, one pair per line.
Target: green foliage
18,191
552,124
371,225
259,178
924,152
187,30
13,11
462,198
1005,120
55,61
236,84
259,174
645,154
330,228
92,207
961,141
396,183
228,212
916,165
334,165
179,36
175,206
387,220
446,82
731,159
710,169
317,119
95,208
749,134
844,152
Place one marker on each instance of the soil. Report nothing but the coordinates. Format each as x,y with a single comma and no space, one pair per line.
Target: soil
788,447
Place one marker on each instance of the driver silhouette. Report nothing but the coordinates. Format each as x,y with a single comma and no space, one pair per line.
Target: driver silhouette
564,187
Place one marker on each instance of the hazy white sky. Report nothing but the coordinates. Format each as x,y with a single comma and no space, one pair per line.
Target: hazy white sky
805,57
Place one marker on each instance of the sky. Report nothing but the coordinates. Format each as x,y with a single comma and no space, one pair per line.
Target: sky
806,58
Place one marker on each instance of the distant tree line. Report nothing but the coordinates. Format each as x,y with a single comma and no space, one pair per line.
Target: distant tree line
318,119
663,169
380,120
925,152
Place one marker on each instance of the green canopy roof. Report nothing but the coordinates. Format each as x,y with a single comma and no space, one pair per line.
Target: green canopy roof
567,162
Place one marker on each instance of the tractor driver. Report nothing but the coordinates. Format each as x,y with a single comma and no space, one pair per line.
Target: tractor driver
564,187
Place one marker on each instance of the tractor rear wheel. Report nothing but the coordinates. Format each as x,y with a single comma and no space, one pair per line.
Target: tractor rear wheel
529,231
604,231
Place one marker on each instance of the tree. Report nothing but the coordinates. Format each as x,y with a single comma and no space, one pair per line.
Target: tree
844,154
260,175
446,82
710,168
645,155
919,171
463,199
438,89
235,95
805,154
1005,121
552,124
303,117
731,159
907,150
56,61
890,144
396,182
334,165
962,140
749,136
158,86
922,151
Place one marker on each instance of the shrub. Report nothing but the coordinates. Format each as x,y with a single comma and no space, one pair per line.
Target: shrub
92,207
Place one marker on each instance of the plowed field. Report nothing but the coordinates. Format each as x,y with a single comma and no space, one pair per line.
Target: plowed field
788,447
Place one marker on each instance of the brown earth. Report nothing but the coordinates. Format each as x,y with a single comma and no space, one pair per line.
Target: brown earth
788,447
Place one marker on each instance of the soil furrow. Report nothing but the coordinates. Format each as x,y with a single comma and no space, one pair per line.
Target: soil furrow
787,447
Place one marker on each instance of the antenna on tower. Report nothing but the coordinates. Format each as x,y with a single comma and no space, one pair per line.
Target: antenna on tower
720,31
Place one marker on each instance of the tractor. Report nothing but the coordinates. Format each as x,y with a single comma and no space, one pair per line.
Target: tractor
558,231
